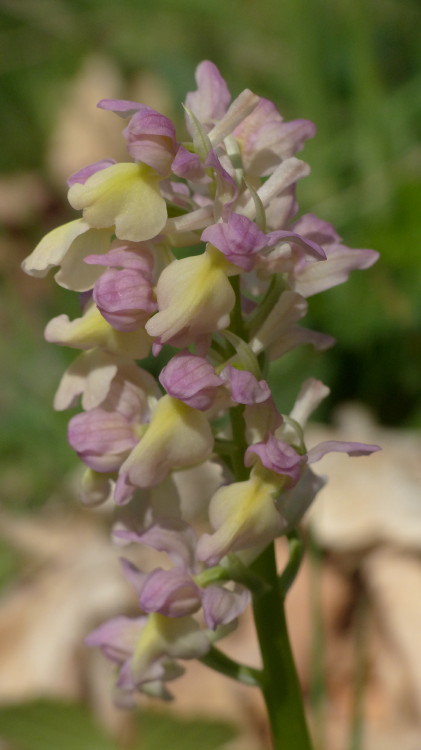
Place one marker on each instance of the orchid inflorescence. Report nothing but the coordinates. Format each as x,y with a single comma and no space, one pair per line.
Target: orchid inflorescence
192,248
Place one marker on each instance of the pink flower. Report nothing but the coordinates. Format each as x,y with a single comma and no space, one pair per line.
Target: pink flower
104,435
309,278
177,592
240,240
266,139
146,651
250,514
123,293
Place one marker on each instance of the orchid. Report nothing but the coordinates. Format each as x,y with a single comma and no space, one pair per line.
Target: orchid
146,649
193,249
179,591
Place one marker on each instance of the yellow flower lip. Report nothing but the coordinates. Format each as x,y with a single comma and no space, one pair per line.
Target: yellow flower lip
243,515
194,298
125,195
92,330
177,437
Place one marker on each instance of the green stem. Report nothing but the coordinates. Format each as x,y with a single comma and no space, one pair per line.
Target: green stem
279,681
238,428
223,664
233,570
276,287
237,323
296,553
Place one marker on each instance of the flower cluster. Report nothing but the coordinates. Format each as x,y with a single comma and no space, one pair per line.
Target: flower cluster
192,248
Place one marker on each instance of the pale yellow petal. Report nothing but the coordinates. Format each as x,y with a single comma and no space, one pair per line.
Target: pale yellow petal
51,250
89,376
92,330
177,437
74,273
126,195
243,515
194,298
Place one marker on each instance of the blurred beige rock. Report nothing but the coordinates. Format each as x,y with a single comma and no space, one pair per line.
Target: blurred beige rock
368,500
393,581
368,519
82,133
22,196
71,580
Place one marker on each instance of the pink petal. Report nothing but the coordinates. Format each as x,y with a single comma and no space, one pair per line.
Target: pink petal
117,637
151,139
82,174
338,446
187,165
212,97
172,536
221,606
244,387
122,107
171,592
101,438
134,255
239,239
277,456
191,379
125,298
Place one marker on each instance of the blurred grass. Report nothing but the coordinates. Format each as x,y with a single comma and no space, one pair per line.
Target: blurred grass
49,725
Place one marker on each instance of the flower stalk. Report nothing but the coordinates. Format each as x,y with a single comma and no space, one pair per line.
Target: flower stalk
279,681
221,663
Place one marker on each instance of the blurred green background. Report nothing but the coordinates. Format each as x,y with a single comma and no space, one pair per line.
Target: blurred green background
351,66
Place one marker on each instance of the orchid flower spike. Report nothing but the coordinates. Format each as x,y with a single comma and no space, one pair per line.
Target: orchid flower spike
188,257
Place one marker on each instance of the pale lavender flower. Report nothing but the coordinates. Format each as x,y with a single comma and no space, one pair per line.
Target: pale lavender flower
177,592
249,514
240,240
309,278
102,439
146,650
265,138
104,436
